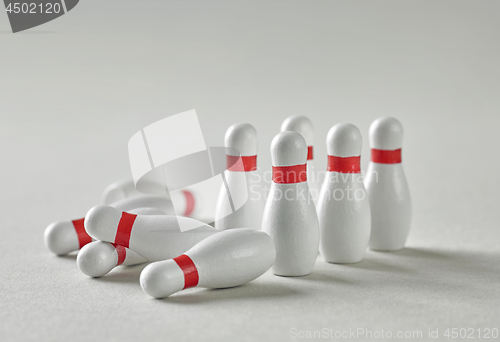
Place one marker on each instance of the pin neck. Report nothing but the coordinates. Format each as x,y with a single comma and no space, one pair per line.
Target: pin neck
344,164
309,153
83,237
121,252
241,163
386,156
190,202
191,277
124,229
290,174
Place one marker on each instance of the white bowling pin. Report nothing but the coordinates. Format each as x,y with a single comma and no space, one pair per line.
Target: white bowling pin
242,180
343,206
227,259
155,237
387,187
304,127
290,216
98,258
185,201
64,237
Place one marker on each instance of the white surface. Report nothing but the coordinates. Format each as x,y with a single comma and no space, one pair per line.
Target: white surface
75,90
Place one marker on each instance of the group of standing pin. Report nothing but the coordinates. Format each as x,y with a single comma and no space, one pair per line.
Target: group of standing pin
132,228
350,213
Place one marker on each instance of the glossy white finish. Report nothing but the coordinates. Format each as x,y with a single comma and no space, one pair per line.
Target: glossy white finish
156,237
98,258
343,206
290,215
227,259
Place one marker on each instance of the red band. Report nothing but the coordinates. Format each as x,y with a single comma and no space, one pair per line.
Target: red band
124,229
121,252
386,156
83,237
189,269
247,163
344,165
188,195
309,153
290,174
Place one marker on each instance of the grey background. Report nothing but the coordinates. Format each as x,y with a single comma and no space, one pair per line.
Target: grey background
73,91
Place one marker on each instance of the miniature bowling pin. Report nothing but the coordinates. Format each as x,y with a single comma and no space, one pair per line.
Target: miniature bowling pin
227,259
290,215
184,200
64,237
387,188
98,258
156,237
242,181
343,206
304,127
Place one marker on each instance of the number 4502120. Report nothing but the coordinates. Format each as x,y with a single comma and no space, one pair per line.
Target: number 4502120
471,333
31,7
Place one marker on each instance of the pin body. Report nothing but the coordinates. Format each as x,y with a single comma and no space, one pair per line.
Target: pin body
387,187
64,237
343,206
98,258
241,182
304,127
155,237
227,259
290,215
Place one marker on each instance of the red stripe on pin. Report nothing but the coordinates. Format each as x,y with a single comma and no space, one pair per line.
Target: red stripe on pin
188,195
83,237
121,252
386,156
309,153
125,229
241,163
344,164
290,174
189,269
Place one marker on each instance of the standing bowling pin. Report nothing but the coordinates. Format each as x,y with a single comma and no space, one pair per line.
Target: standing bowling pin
387,187
227,259
98,258
304,127
242,181
156,237
64,237
343,206
290,216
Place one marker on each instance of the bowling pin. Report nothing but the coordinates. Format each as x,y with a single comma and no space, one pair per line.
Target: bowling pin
343,206
227,259
184,200
64,237
387,187
290,215
242,181
304,127
98,258
155,237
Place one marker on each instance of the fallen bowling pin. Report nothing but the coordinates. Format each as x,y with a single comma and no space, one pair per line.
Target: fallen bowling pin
98,258
185,200
64,237
227,259
387,188
155,237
